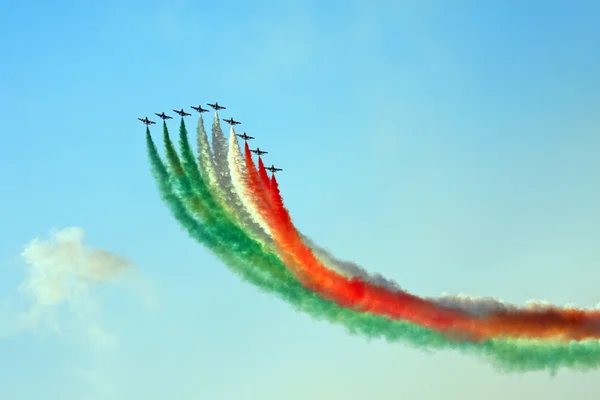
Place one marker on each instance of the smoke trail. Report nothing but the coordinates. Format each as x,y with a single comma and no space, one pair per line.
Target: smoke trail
561,324
343,267
194,190
250,220
565,323
472,305
349,293
349,268
513,355
195,194
465,303
239,177
219,145
400,304
195,228
207,162
343,296
184,186
241,184
346,268
264,177
225,191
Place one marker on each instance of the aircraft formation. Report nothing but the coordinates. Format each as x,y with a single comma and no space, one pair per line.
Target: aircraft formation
230,121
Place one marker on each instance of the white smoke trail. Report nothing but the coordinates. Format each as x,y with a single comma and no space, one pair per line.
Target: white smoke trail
208,168
479,306
239,175
219,146
348,268
222,185
207,162
62,271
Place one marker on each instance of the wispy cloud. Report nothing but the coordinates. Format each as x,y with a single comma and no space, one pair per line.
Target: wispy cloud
60,274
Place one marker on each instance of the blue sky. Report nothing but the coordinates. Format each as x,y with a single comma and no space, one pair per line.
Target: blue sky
451,147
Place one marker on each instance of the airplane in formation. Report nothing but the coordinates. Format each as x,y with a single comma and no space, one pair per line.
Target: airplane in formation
163,116
146,121
182,113
199,109
244,136
273,169
216,106
231,121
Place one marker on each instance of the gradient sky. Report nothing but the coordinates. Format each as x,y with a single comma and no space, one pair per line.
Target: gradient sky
451,147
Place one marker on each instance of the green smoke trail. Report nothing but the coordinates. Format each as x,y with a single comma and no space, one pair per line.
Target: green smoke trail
509,355
195,229
196,195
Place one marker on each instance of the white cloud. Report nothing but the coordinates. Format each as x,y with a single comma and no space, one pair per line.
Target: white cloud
60,274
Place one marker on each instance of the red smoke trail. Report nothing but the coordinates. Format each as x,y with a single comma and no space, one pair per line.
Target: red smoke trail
264,177
263,206
265,183
263,200
356,293
349,293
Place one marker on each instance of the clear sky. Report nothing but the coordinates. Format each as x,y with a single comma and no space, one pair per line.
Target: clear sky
451,146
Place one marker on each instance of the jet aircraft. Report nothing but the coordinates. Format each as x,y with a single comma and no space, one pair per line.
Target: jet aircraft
244,136
231,121
259,152
146,121
163,116
200,109
216,106
273,169
182,113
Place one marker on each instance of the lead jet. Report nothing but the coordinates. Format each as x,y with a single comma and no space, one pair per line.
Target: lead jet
273,169
244,136
216,106
146,121
199,109
259,152
182,113
231,121
163,116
